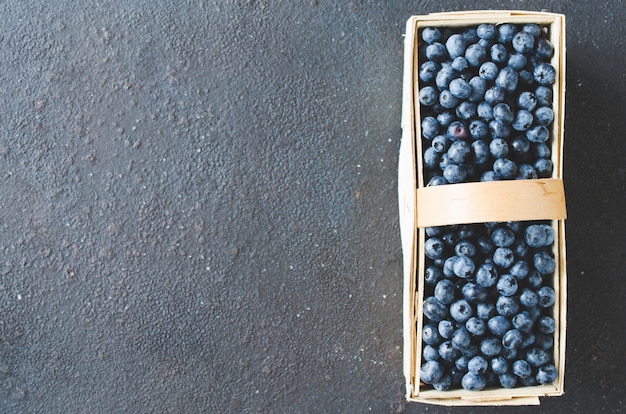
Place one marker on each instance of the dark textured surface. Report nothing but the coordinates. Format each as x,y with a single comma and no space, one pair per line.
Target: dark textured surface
199,212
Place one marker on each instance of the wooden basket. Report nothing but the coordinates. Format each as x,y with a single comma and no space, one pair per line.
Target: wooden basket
421,206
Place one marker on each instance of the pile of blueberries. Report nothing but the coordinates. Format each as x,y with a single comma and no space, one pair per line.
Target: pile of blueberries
486,108
488,307
486,103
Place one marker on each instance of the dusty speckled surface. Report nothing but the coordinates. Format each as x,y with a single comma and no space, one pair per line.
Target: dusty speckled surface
198,206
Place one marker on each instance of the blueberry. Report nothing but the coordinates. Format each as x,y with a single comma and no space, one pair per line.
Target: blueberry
499,365
520,269
535,312
527,100
484,110
520,249
431,35
444,162
431,372
447,351
507,285
532,29
503,237
444,383
508,78
523,322
430,353
475,55
473,382
454,173
523,42
544,342
470,36
430,127
444,77
499,129
466,110
479,86
445,291
461,339
544,49
465,232
509,353
448,266
464,267
459,64
512,339
526,172
430,335
505,168
445,329
434,248
507,380
455,45
526,78
486,31
433,231
440,144
485,245
459,152
495,95
547,297
432,275
507,305
488,71
436,52
543,167
517,61
474,293
544,115
546,325
447,100
498,53
506,32
549,233
498,325
465,248
485,43
431,158
523,120
534,279
434,310
537,357
490,346
428,96
475,326
477,365
503,113
428,71
457,130
543,95
544,73
460,88
546,374
486,275
485,311
521,368
461,362
536,236
544,263
528,298
445,118
461,311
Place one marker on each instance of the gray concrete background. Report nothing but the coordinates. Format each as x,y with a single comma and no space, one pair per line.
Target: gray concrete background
198,206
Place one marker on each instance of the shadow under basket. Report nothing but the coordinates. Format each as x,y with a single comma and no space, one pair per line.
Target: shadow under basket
480,202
